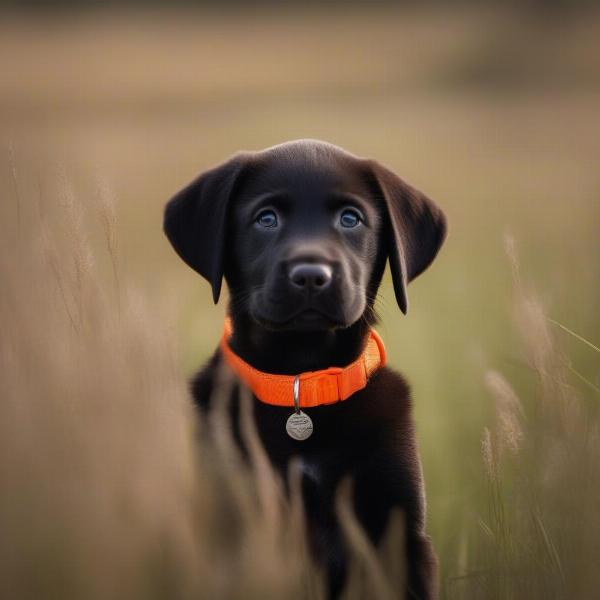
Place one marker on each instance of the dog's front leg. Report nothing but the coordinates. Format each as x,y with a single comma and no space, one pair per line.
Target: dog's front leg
391,480
421,563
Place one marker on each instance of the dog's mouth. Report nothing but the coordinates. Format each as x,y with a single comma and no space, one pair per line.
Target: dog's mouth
310,318
309,314
306,319
313,313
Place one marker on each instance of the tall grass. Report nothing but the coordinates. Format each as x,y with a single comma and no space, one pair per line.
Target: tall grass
111,488
540,538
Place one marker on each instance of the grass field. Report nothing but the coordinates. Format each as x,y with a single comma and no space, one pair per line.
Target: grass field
104,116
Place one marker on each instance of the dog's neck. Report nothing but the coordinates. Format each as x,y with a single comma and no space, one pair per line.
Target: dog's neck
294,352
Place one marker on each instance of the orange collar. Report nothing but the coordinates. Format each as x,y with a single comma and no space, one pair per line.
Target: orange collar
326,386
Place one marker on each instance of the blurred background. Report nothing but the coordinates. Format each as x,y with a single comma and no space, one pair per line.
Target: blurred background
491,109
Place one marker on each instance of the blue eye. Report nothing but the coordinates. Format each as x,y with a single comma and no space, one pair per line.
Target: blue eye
267,218
349,218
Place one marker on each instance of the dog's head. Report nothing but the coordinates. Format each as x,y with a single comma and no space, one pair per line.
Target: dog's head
301,232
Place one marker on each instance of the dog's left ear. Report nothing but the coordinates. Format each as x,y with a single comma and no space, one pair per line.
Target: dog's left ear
195,220
417,229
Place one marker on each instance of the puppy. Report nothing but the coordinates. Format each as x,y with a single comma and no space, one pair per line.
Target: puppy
301,232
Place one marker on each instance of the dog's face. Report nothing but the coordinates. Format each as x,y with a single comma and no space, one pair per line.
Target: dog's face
301,233
304,237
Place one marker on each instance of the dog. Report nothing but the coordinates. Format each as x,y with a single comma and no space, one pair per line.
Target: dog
301,232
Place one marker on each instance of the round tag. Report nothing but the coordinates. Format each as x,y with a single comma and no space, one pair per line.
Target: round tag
299,426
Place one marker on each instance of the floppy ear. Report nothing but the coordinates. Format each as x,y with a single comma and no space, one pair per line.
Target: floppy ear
417,229
195,220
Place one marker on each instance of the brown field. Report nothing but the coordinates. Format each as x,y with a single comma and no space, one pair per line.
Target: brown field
104,116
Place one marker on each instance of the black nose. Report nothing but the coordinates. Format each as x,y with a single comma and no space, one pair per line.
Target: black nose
310,276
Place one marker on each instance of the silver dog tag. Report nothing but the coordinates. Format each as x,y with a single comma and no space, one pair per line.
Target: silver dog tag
299,426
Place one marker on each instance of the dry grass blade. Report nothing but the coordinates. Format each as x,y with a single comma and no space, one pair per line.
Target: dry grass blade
268,486
575,335
509,412
108,218
375,583
15,181
583,378
487,451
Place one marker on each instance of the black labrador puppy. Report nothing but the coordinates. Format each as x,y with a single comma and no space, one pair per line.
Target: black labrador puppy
302,232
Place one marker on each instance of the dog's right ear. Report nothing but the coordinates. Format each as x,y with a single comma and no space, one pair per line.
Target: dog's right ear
195,220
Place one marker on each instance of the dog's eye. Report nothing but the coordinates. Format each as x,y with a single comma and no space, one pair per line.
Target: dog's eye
350,218
267,218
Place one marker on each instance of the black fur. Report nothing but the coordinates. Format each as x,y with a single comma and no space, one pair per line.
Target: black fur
287,324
